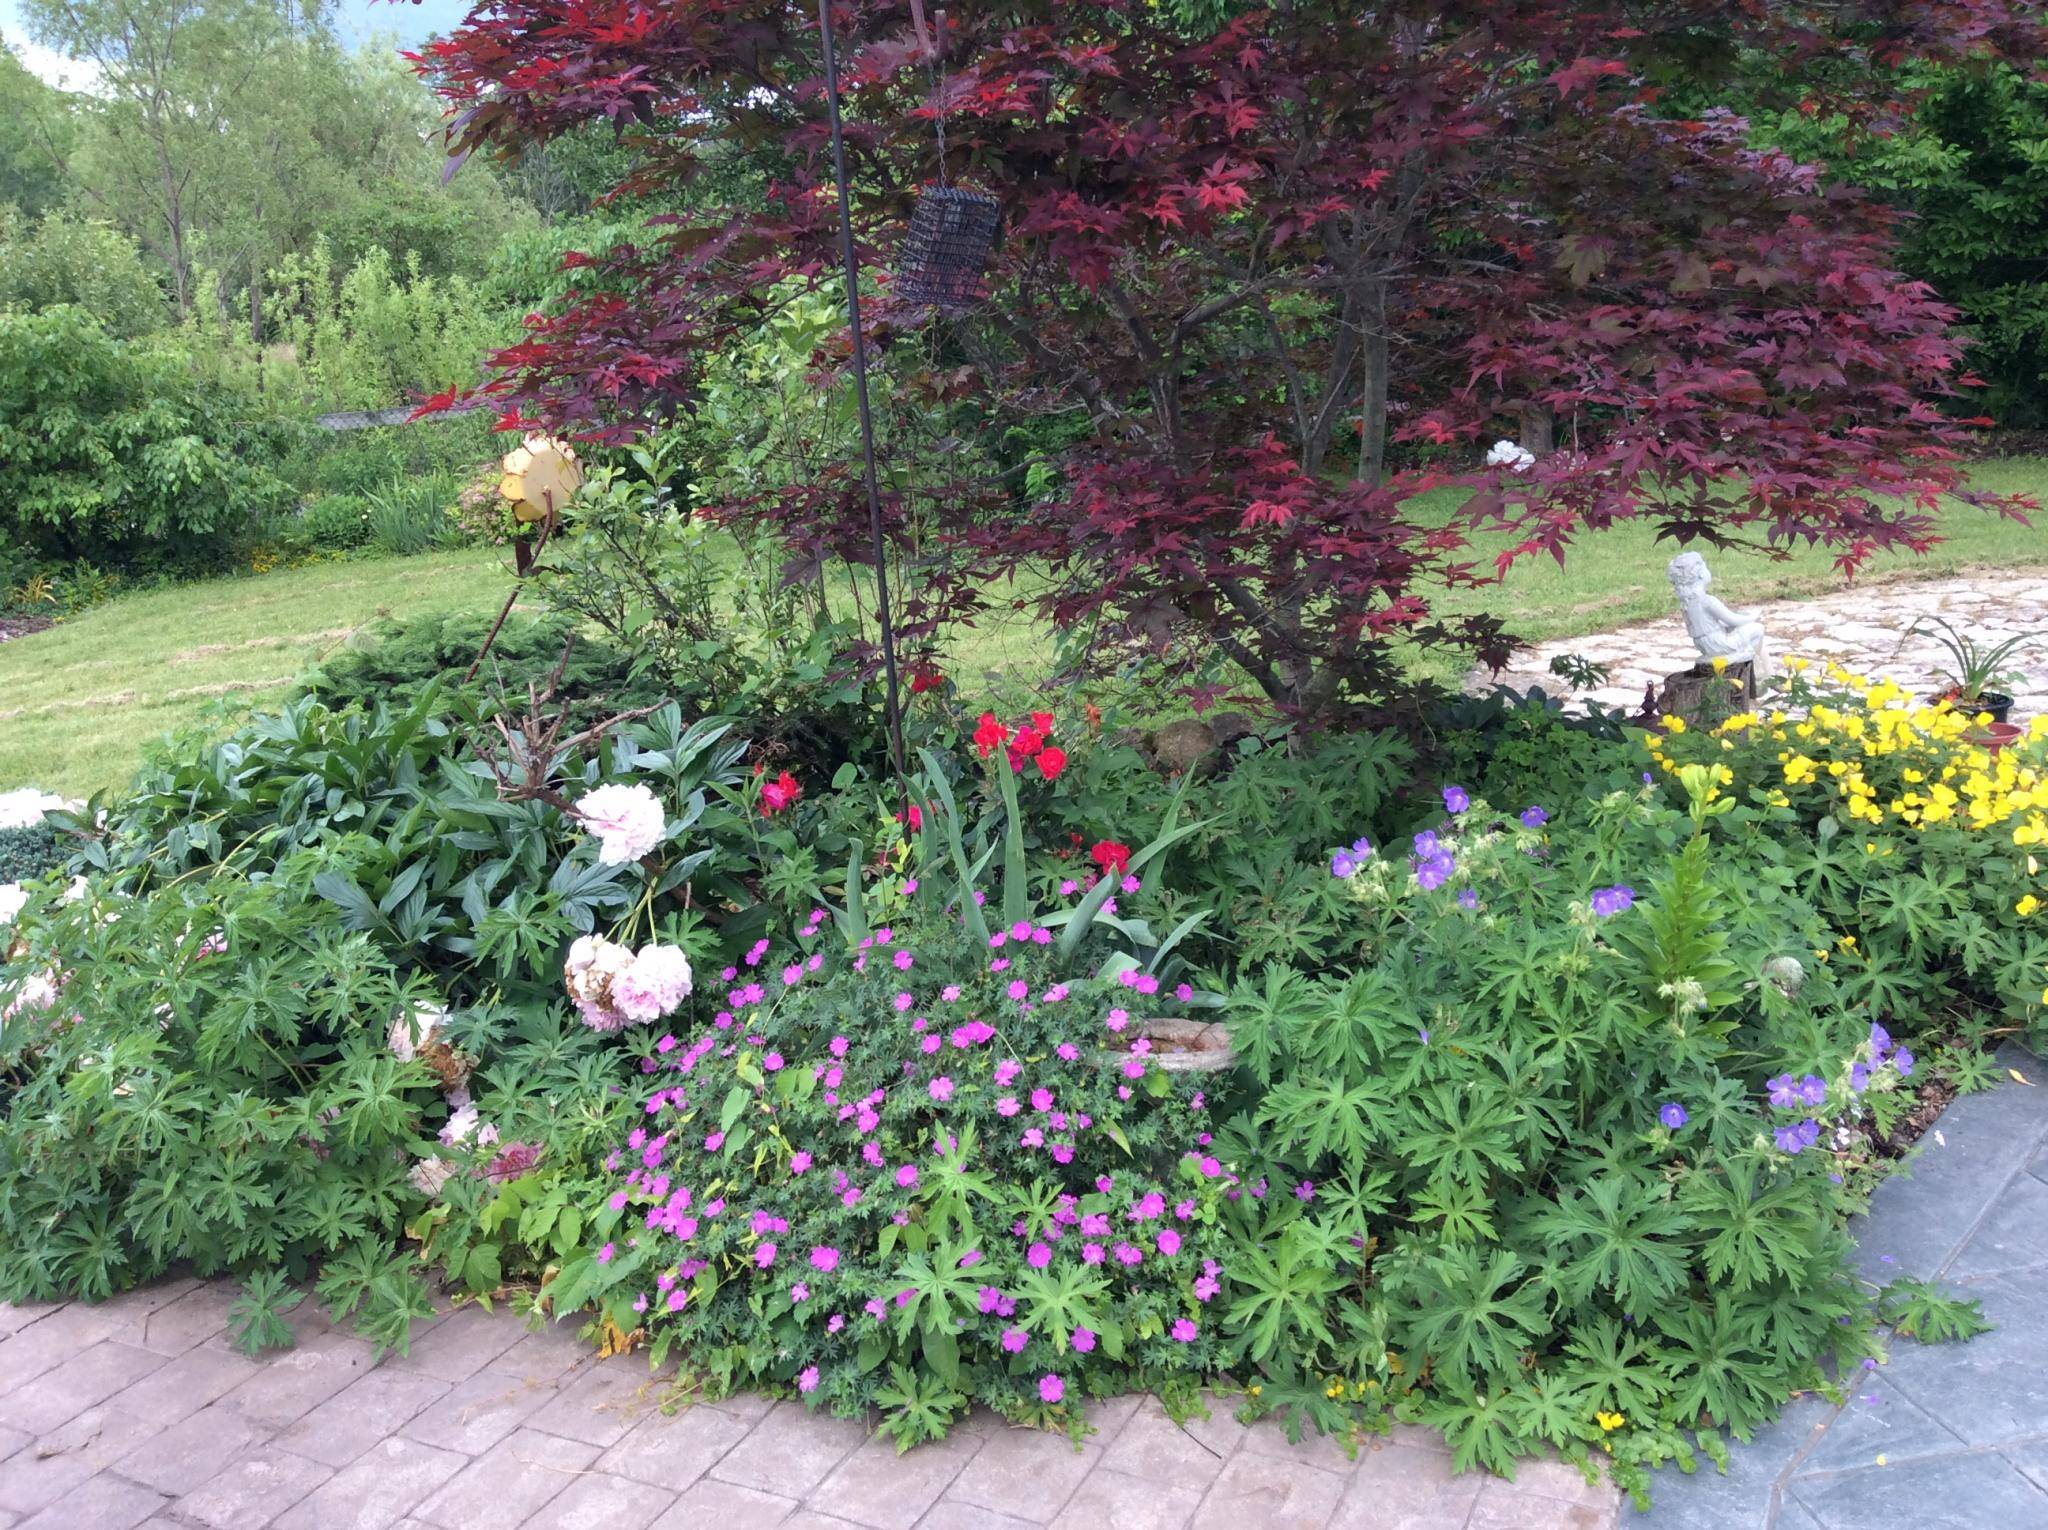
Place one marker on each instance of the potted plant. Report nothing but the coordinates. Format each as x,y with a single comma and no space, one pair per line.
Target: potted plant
1977,672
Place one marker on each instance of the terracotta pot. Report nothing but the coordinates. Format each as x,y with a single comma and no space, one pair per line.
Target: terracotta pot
1995,736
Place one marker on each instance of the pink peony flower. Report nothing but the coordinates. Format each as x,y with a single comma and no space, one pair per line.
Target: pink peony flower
627,821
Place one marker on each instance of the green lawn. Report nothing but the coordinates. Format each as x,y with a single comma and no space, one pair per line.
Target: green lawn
77,702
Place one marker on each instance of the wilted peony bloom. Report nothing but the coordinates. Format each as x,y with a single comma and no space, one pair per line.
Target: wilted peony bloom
461,1126
416,1028
513,1160
614,988
38,991
430,1174
594,965
627,821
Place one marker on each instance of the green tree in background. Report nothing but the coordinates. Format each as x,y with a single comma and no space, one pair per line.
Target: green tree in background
63,258
228,134
34,120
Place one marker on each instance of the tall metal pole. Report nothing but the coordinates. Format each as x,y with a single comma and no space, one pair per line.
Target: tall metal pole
860,383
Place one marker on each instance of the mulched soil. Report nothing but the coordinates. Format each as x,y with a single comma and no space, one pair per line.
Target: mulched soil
1933,1099
21,626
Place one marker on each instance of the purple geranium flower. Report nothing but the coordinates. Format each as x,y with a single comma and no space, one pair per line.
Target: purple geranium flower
1609,901
1455,800
1797,1137
1673,1116
1534,817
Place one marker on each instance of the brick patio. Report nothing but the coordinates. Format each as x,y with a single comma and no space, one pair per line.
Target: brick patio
139,1412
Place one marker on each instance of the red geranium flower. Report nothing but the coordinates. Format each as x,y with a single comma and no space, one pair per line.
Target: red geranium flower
1042,721
1027,743
988,733
779,794
1051,761
922,680
1111,856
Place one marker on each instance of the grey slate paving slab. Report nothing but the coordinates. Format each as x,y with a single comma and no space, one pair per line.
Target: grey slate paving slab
253,1489
603,1502
357,1417
65,1391
672,1451
1940,1493
728,1506
105,1503
383,1485
512,1480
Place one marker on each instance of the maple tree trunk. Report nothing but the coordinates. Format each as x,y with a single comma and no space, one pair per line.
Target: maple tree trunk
1372,422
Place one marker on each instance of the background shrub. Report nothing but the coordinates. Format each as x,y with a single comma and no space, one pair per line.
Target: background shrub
108,452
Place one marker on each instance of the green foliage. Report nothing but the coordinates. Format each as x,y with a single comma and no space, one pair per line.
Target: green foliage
409,516
1921,1310
257,1318
718,622
379,333
395,661
61,259
335,521
215,1090
1467,1203
114,452
35,119
26,853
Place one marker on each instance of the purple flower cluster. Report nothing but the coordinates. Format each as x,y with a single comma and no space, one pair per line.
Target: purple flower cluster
1609,901
1433,861
1347,862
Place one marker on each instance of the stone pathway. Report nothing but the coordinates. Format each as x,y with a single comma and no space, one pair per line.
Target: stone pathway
1942,1436
138,1412
1863,627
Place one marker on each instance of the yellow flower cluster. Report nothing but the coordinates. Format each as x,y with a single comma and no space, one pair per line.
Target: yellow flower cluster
1886,758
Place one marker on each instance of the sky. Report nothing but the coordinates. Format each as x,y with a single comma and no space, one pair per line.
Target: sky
356,21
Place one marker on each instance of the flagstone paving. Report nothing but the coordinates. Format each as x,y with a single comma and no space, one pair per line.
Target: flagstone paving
138,1412
1863,626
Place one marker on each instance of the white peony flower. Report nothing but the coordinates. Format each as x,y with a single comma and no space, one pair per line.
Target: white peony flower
1508,454
655,984
627,821
13,898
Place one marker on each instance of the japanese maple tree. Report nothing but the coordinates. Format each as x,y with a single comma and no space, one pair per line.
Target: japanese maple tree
1269,278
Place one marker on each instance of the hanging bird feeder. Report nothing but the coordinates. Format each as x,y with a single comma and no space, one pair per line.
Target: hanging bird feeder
541,475
944,258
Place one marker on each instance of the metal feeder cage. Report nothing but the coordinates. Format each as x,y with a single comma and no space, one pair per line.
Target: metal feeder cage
951,234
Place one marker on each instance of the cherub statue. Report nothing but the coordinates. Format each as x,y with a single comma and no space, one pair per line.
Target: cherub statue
1718,632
